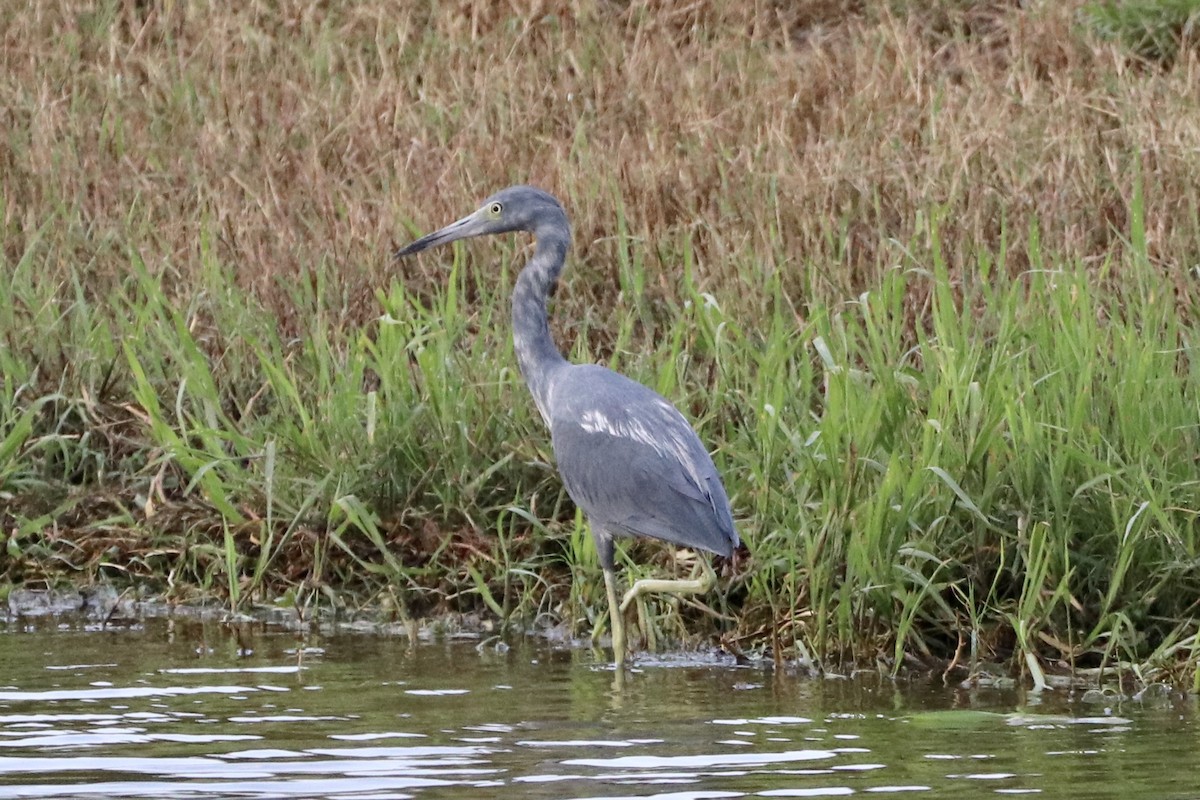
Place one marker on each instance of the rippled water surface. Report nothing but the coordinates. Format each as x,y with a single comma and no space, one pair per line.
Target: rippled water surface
189,709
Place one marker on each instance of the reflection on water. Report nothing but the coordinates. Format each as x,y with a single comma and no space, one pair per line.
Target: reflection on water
174,709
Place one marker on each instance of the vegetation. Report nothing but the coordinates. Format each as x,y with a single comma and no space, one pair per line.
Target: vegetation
924,274
1153,29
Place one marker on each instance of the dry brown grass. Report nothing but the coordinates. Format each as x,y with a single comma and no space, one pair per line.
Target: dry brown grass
292,135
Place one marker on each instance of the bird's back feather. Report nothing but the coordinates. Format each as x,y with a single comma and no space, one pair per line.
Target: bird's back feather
632,462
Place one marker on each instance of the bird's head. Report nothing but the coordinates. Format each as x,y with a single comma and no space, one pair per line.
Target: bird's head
517,208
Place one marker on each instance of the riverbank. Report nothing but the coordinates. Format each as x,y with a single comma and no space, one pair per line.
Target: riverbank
924,279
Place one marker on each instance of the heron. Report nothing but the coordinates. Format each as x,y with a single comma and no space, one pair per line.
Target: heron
627,457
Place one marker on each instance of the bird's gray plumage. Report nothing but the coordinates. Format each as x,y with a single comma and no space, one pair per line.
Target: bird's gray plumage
628,458
633,464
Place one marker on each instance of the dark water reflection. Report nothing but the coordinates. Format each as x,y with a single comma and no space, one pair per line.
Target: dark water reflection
191,710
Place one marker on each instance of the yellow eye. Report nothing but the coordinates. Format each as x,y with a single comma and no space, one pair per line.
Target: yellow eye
494,209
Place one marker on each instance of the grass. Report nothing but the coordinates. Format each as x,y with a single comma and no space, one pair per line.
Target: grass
1154,31
922,273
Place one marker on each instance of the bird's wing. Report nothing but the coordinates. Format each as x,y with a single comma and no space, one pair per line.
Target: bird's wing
635,466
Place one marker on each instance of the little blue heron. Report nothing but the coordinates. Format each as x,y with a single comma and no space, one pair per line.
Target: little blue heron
627,456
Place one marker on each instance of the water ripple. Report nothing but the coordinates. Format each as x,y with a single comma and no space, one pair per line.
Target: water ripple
375,719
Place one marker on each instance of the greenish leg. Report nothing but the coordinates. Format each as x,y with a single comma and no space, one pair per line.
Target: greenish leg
616,612
615,619
642,588
700,585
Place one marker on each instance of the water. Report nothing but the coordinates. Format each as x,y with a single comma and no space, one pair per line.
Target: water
189,709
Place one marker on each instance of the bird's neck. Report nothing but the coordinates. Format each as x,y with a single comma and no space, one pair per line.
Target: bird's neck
537,354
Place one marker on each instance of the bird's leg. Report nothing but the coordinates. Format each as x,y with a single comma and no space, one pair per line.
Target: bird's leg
700,585
615,619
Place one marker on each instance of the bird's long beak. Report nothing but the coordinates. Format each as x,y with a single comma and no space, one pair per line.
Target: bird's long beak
464,228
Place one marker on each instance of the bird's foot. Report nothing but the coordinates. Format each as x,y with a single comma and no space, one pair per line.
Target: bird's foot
700,585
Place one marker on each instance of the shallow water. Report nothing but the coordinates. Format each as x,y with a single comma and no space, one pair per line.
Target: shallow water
190,709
